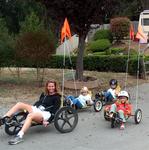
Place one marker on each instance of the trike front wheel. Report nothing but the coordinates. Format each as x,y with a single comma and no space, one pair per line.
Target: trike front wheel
66,119
98,105
14,125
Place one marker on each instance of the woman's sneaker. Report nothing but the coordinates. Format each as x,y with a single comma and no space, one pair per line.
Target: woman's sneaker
122,127
17,139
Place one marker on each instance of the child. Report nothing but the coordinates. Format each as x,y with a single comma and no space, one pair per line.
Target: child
122,106
82,100
113,91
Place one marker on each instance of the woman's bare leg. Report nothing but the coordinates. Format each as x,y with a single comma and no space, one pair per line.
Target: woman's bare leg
17,107
31,117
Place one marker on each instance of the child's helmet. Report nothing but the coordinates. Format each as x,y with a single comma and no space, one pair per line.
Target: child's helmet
113,82
123,93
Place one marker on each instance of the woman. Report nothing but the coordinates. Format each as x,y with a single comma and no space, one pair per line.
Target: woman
82,100
38,112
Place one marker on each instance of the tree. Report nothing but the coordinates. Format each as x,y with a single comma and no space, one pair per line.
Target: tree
120,28
145,4
130,9
15,11
32,23
35,45
81,14
6,45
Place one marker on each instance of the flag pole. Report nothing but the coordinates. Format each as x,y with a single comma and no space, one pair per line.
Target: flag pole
65,32
63,80
138,67
127,64
131,37
72,70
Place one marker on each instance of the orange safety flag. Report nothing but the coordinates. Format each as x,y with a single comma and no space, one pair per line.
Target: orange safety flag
65,31
131,32
140,35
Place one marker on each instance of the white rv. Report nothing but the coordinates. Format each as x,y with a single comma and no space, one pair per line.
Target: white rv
144,22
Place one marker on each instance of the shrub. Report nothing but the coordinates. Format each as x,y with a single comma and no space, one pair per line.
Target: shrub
99,53
103,34
99,45
124,51
114,50
120,27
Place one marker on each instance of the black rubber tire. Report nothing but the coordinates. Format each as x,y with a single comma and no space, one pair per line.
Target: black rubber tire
113,121
66,119
98,105
138,116
106,117
15,123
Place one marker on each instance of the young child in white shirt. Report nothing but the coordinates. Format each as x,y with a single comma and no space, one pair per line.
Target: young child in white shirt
83,99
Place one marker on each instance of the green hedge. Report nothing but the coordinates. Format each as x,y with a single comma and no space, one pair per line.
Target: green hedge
105,63
113,63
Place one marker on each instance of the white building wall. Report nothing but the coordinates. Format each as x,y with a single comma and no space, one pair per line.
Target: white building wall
68,45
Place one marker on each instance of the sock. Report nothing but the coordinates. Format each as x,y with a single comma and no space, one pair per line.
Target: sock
20,134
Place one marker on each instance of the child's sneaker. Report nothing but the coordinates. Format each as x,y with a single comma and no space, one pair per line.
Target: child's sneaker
122,127
69,102
111,115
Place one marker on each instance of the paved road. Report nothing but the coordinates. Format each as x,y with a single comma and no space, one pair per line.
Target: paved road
91,133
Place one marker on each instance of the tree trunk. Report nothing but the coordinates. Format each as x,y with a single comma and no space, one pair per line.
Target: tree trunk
0,71
145,4
37,74
18,72
79,63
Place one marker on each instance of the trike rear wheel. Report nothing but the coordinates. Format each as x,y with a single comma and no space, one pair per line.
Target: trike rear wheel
138,116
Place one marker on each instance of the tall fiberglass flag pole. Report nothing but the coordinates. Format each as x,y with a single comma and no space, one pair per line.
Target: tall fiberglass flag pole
131,37
142,39
65,32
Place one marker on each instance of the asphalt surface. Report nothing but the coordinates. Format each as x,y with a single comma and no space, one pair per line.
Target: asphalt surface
91,133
